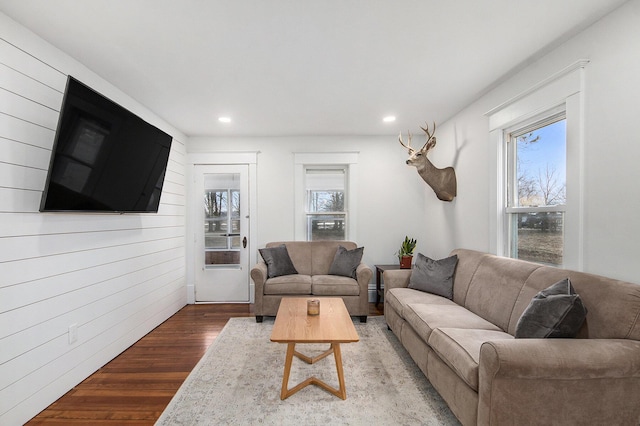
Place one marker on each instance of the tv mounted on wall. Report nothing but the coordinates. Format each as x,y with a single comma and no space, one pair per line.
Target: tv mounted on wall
104,157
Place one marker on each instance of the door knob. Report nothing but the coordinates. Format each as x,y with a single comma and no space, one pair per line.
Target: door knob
244,242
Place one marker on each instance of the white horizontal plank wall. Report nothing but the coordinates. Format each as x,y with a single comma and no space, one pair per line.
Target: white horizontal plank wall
115,277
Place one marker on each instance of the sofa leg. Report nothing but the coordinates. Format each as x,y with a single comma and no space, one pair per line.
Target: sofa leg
363,318
258,318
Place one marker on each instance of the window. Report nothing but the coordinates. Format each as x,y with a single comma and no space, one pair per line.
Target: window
325,201
326,212
537,171
537,190
222,219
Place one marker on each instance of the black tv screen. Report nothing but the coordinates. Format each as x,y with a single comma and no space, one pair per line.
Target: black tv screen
104,157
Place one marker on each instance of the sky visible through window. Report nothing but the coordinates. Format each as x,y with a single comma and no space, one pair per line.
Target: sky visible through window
542,159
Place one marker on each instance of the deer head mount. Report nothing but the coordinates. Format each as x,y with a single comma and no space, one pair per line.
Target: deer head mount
442,181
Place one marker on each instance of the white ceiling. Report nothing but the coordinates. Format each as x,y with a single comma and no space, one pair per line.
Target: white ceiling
304,67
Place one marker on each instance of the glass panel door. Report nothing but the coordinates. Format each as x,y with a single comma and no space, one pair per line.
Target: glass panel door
222,236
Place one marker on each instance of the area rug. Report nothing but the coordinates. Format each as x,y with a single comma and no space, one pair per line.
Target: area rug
238,381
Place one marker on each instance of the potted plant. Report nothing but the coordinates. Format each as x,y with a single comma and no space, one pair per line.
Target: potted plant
405,254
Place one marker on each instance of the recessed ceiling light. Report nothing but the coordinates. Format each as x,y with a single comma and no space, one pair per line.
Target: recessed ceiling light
224,119
389,119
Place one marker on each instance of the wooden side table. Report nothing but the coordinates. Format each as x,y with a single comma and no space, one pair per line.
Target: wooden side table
379,270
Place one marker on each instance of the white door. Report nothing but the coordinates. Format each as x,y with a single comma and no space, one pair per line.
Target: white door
222,233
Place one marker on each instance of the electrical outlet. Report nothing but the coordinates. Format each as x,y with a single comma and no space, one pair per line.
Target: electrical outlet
73,333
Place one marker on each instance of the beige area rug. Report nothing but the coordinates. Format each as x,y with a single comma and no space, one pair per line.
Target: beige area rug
238,381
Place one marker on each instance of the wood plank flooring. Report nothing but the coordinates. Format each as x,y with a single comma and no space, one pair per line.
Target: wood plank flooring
135,387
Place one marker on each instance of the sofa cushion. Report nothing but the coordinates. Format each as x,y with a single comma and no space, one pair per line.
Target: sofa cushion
334,285
434,276
460,349
468,262
300,253
345,262
398,298
495,287
426,318
556,311
323,253
288,284
278,261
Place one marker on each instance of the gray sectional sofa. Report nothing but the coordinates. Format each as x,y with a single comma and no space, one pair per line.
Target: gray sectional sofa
467,350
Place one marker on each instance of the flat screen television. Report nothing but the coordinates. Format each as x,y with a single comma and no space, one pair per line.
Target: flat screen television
104,157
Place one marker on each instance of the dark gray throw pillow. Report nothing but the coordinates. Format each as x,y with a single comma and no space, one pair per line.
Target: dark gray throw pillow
556,311
345,262
434,276
278,261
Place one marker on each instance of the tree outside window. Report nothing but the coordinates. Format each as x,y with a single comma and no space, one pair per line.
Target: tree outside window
222,218
536,191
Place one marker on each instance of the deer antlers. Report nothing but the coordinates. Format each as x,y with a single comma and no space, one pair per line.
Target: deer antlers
430,143
406,146
431,139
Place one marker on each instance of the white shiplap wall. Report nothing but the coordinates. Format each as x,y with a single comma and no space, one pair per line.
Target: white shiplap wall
115,276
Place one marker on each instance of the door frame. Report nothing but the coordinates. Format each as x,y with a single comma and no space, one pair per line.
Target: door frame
213,159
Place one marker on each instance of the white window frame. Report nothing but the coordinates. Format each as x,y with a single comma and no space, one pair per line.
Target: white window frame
348,160
562,91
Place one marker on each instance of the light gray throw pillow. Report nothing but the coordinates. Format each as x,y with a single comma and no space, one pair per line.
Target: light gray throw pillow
278,261
345,262
434,276
556,311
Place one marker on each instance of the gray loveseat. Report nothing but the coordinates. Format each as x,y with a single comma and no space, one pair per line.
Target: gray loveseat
312,260
467,350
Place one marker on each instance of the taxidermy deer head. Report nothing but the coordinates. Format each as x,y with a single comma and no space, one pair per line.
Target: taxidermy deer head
442,181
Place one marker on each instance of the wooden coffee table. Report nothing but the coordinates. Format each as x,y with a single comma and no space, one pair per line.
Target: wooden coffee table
293,325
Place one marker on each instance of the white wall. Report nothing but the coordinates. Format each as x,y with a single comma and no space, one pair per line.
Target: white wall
393,201
391,195
115,276
611,148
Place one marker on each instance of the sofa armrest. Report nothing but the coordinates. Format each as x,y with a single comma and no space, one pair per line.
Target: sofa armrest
395,278
259,277
363,276
551,381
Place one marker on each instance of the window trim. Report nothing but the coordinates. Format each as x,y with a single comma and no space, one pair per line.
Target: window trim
564,89
349,160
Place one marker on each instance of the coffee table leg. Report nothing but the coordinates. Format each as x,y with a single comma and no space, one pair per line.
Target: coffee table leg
285,392
342,393
291,348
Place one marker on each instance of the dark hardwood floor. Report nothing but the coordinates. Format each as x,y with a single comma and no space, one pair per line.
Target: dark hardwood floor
135,387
